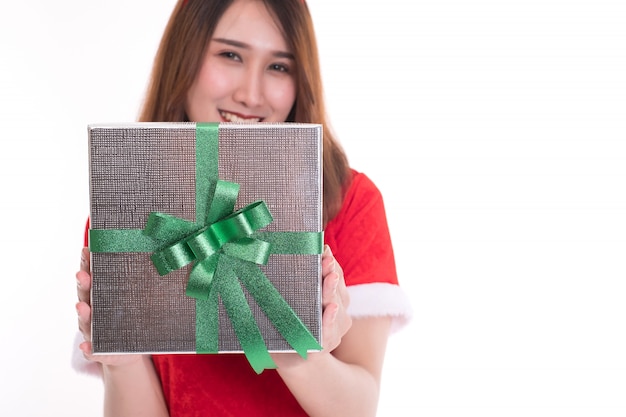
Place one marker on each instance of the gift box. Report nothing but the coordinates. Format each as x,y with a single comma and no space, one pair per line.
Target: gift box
206,238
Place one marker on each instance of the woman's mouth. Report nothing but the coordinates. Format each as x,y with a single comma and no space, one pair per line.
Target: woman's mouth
231,117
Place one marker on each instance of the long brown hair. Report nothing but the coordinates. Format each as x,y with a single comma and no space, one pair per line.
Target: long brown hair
180,56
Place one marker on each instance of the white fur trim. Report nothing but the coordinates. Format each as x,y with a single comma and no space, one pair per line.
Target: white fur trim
380,299
80,364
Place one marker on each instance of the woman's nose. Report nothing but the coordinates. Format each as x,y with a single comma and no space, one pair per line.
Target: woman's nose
250,89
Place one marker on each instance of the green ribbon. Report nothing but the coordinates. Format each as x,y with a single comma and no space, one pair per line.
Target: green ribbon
225,247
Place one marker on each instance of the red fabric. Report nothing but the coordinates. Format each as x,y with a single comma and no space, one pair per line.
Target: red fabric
222,385
359,235
86,242
225,384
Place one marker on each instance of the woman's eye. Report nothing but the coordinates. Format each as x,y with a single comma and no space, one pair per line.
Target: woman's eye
230,55
279,67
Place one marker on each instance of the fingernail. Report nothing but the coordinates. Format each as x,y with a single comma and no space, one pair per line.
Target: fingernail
327,250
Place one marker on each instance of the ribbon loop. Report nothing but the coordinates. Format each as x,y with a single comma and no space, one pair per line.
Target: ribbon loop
172,258
222,203
231,228
243,222
204,243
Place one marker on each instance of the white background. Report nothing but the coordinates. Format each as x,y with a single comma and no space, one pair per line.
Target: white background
495,130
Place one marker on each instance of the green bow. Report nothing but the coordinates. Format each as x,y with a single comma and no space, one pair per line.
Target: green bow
225,233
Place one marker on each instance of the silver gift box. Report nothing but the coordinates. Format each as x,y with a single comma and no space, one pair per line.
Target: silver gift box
139,168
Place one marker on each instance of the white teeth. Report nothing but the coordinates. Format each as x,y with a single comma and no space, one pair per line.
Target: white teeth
233,118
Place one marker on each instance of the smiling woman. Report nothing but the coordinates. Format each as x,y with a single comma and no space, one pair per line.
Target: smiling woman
256,61
494,129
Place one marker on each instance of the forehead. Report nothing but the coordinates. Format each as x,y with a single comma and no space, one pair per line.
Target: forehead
250,22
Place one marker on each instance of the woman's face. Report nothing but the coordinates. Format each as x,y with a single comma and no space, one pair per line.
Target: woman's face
248,73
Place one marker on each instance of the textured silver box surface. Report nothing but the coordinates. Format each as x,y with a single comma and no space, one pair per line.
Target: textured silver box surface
138,168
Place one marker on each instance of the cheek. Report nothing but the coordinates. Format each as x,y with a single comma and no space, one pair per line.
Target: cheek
212,84
282,95
207,90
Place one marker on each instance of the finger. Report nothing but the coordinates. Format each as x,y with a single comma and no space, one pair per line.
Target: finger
334,287
84,319
329,276
329,289
342,291
329,316
328,261
335,324
85,347
84,259
330,338
83,278
83,286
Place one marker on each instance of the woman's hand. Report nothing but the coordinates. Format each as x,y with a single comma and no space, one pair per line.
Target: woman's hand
335,299
83,308
335,320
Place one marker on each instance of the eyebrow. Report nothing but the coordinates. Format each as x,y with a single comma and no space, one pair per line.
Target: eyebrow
278,54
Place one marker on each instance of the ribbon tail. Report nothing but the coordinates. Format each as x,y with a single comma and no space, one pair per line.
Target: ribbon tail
207,323
277,309
241,317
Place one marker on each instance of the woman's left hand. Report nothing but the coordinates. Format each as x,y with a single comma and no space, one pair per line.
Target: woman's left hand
335,320
335,299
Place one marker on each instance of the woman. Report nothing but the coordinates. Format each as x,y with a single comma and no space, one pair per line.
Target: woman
256,61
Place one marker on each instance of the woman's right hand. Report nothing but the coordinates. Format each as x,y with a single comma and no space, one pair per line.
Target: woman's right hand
83,308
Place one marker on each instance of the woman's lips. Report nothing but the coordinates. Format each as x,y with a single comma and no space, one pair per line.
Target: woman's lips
232,117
